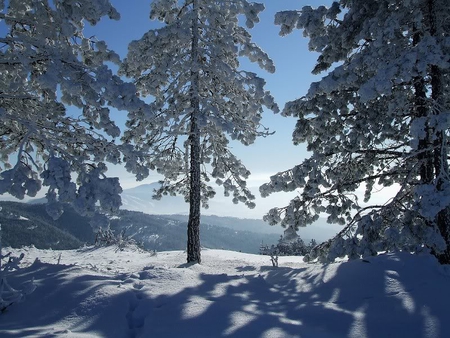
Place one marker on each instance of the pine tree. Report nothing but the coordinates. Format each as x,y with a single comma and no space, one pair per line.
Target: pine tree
379,117
201,99
47,65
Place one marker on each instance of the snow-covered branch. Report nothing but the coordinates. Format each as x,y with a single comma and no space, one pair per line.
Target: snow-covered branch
378,117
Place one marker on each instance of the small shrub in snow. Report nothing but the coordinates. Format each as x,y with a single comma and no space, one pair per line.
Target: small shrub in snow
289,245
271,251
9,295
108,238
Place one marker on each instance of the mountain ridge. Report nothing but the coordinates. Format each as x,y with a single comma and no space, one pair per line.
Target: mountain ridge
140,199
29,224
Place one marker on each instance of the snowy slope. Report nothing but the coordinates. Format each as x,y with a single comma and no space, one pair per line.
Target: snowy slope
104,293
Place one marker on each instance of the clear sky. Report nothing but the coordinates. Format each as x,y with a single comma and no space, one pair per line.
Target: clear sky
291,80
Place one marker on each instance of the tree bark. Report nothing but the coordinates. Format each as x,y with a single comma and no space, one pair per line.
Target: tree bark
425,155
440,165
193,230
440,143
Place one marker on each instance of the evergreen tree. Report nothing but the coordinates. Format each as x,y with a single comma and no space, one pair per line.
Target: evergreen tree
290,244
190,67
379,117
46,65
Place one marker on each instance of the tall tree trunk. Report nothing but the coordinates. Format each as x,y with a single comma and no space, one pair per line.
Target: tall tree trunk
425,155
421,110
193,231
432,149
440,142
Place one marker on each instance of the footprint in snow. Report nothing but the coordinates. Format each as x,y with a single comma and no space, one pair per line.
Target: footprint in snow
135,320
138,286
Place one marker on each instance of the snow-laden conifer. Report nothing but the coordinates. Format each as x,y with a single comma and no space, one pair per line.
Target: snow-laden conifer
47,65
379,117
202,99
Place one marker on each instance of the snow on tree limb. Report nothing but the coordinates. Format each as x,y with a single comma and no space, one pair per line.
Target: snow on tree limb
47,65
201,99
379,117
231,99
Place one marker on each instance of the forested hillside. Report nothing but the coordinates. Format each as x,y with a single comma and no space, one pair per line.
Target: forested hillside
29,224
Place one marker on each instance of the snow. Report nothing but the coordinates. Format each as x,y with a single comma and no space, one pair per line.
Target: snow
102,292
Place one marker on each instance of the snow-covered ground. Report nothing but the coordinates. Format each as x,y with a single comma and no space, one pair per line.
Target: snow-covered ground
103,293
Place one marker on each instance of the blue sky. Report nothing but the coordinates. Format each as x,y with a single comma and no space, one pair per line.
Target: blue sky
291,80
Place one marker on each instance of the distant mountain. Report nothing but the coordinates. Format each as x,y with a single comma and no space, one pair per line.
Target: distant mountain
320,230
25,224
234,223
29,224
168,232
141,199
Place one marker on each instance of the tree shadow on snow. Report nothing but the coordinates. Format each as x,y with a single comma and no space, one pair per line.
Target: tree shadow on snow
64,294
387,297
246,268
354,299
